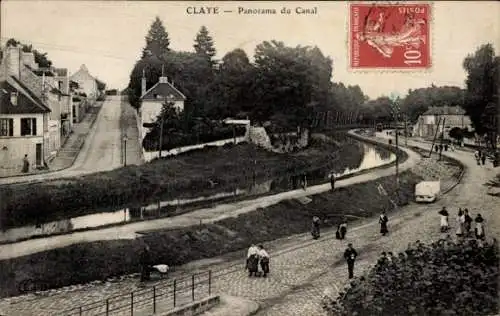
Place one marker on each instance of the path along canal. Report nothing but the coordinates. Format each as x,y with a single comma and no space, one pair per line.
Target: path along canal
372,157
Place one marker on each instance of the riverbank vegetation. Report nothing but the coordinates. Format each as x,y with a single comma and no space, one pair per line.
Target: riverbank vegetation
443,278
104,259
183,176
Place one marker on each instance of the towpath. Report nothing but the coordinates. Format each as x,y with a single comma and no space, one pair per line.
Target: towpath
301,268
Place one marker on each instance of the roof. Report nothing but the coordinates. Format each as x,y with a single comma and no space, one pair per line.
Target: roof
61,72
161,90
27,102
445,110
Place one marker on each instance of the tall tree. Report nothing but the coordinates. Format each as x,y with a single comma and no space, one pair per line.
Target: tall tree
204,45
157,41
481,101
40,58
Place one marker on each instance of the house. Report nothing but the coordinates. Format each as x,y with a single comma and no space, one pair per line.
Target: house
432,120
40,83
86,82
152,101
62,79
23,126
78,101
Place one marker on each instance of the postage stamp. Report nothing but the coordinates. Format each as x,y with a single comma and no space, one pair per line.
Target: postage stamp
390,36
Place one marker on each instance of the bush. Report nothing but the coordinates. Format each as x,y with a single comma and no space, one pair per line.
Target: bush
444,278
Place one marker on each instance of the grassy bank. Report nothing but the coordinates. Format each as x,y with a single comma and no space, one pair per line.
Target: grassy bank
60,267
193,174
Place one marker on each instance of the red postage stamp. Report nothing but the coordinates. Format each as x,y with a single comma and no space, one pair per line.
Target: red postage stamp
390,36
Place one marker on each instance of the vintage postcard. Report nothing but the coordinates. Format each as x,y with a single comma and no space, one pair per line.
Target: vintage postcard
249,158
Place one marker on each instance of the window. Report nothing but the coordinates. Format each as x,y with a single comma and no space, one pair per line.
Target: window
13,98
6,127
28,126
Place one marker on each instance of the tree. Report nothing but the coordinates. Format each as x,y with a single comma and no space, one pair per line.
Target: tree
101,86
40,58
456,133
157,41
443,278
482,88
204,45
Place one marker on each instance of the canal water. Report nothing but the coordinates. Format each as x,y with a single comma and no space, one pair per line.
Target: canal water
373,157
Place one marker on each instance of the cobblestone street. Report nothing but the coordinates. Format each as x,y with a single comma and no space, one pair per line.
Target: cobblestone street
301,268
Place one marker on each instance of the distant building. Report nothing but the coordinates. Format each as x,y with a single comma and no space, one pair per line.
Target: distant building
23,126
86,82
152,101
452,116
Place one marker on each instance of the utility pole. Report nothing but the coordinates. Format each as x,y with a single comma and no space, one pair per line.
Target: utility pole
160,145
406,130
395,110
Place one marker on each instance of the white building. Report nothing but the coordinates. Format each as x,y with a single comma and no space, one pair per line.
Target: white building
152,101
86,82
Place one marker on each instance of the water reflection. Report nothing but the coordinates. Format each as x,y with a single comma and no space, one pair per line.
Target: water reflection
372,157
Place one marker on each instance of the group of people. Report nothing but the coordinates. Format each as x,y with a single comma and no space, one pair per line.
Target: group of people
256,256
464,223
480,157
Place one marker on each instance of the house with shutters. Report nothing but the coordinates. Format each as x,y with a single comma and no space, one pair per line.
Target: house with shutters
152,101
24,122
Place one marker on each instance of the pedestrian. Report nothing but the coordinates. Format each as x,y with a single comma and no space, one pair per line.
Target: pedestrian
253,260
264,260
444,219
436,148
445,147
468,222
460,223
483,158
145,261
477,156
479,227
332,181
350,255
343,229
304,181
26,164
315,227
383,223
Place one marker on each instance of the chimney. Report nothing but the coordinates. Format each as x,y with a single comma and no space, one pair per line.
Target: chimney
13,61
143,83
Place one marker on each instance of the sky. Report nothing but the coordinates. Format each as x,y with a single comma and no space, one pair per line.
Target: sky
108,36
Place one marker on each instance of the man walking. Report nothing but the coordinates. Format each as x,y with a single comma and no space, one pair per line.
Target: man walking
350,256
145,261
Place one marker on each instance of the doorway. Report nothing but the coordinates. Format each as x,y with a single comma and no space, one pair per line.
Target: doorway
38,154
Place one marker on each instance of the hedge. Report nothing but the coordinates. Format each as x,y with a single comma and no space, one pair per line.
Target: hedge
443,278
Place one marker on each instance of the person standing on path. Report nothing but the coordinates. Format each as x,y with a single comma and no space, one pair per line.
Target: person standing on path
145,264
460,223
264,260
342,229
444,219
483,158
315,227
468,222
350,255
477,156
304,181
332,181
479,227
26,164
252,251
383,220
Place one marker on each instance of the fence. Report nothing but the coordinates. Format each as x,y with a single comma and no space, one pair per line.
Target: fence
161,297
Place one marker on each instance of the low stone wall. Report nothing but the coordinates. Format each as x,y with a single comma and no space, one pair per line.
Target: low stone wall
150,155
195,308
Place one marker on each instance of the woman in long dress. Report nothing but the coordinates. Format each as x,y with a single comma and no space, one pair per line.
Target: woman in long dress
383,224
479,227
468,222
264,260
444,219
252,260
460,223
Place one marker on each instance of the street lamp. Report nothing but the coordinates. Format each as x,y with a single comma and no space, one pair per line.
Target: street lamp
394,97
125,138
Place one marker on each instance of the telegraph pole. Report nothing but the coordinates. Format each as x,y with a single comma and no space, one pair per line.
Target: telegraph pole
395,111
